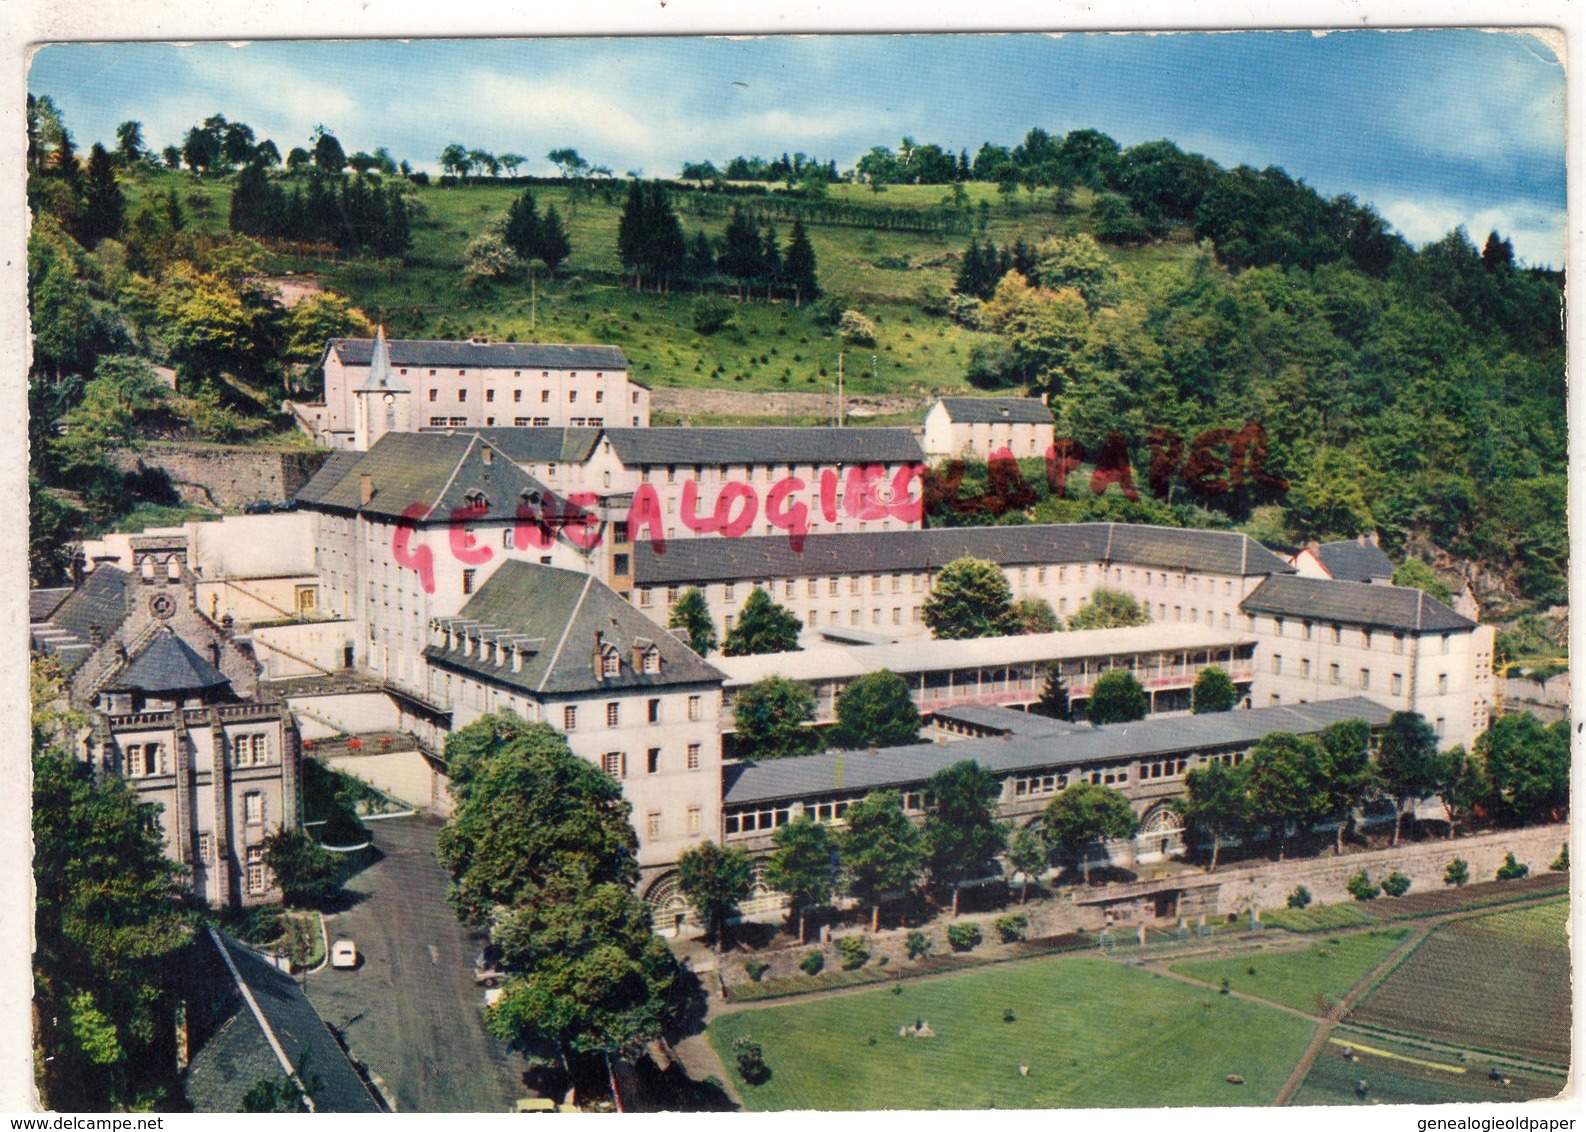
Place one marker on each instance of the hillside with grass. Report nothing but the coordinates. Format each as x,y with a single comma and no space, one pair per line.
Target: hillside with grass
1185,323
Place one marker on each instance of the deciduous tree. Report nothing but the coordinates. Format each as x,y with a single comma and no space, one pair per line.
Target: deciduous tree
876,710
306,874
763,627
1407,762
714,880
802,864
1084,814
961,832
1214,803
881,850
970,598
1027,855
769,717
1108,609
1117,697
1285,789
691,613
1213,691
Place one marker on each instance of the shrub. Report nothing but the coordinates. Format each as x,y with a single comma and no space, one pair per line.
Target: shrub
1011,928
755,969
963,937
1561,862
1457,872
1511,869
1008,1015
1396,884
751,1061
918,945
856,328
813,963
1361,888
854,951
711,315
1300,897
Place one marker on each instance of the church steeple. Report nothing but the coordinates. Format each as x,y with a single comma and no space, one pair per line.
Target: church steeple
378,411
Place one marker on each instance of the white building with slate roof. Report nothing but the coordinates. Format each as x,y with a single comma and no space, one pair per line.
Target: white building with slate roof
372,386
977,427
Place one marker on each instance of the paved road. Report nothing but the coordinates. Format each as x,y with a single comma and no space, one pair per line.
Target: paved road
411,1012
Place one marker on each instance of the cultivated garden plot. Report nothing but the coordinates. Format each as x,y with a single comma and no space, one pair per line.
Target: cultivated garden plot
1498,984
1358,1067
1090,1032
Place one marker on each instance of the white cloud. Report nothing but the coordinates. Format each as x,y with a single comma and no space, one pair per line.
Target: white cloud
1537,232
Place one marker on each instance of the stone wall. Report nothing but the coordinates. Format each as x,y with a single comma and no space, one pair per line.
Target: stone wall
226,476
1267,884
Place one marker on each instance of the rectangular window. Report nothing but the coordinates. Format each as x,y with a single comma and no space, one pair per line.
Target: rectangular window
644,597
253,808
1397,683
1277,665
694,708
517,395
652,760
812,587
462,395
1277,626
434,393
1309,628
1333,675
831,587
726,622
729,592
545,395
541,422
572,396
693,756
655,711
1442,684
206,847
490,395
652,825
569,717
1398,642
619,565
468,580
1338,634
1439,725
613,714
693,819
1365,679
612,762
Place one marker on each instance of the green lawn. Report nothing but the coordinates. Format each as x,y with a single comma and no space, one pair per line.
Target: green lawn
1318,917
1540,924
1307,978
1094,1034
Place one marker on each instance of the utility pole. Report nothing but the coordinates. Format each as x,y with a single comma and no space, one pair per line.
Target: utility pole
839,389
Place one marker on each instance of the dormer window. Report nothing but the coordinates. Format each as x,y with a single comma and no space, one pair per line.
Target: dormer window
475,499
610,662
650,661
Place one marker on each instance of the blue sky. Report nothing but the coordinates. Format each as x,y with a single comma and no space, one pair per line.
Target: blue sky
1434,128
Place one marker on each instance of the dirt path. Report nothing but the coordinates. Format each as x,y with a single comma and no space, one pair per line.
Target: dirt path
1330,1023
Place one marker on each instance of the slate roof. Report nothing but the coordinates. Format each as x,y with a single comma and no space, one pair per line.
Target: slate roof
42,603
996,410
787,779
1007,721
380,378
167,664
238,1055
480,355
428,468
1327,599
100,601
772,556
1350,561
717,446
538,445
552,616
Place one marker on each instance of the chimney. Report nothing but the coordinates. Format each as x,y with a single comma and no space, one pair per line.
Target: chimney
489,454
365,489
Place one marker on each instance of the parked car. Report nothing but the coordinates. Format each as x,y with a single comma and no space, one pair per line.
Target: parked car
344,954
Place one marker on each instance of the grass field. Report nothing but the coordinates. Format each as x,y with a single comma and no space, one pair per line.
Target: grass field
771,346
1310,978
1498,983
1397,1072
1094,1033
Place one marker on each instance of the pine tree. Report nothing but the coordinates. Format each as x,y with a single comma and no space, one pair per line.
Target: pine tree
523,227
741,256
771,261
104,206
554,244
799,267
253,211
969,270
630,232
701,259
1053,703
